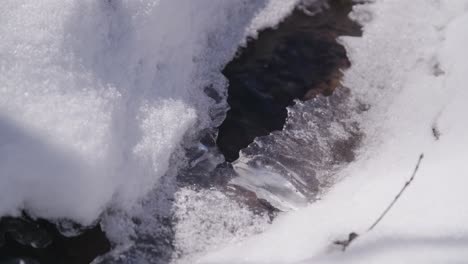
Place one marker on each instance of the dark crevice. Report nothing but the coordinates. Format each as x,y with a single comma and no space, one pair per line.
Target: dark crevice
296,60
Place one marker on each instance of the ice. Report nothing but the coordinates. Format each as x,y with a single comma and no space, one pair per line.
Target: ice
410,67
289,168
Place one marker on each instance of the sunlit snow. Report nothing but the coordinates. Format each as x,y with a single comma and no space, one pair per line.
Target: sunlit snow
95,96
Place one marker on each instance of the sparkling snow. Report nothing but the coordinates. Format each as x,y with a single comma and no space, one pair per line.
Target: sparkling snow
95,96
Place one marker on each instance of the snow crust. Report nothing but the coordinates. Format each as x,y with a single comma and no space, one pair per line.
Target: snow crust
411,67
95,96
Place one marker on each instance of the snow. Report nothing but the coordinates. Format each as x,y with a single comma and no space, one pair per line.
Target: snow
96,96
410,66
208,219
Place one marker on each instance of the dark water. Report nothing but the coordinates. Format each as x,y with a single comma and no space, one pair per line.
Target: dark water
297,60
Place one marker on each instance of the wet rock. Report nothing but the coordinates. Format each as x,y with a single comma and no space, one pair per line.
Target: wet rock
26,233
24,240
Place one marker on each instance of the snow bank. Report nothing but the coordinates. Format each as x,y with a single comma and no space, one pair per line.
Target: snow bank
95,96
410,66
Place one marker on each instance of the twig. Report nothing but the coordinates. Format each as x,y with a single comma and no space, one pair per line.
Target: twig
353,236
399,194
436,132
345,243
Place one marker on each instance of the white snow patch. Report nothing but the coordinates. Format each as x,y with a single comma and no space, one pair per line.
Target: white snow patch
95,96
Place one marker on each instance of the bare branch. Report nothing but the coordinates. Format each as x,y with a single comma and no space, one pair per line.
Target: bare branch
399,194
353,235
